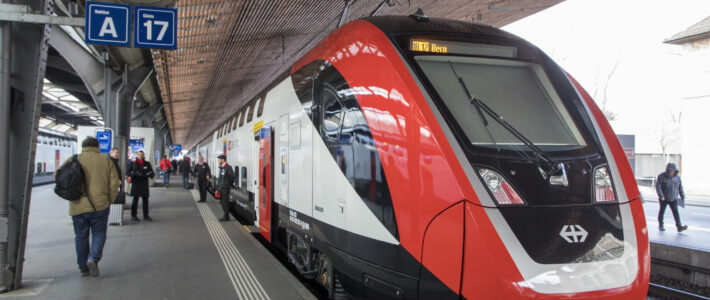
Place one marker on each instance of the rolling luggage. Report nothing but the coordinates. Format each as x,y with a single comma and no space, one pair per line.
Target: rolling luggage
190,185
115,216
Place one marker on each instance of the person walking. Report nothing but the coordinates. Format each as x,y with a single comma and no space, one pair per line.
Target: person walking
175,165
185,171
90,213
140,171
669,187
165,167
224,185
202,172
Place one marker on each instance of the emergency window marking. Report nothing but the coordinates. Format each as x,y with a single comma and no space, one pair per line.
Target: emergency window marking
426,46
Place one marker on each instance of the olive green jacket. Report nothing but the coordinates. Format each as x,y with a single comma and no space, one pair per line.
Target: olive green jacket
100,179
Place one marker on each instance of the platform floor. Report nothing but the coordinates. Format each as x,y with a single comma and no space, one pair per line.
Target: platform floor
695,214
183,254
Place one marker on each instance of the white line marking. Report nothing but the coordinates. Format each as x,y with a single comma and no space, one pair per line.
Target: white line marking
243,280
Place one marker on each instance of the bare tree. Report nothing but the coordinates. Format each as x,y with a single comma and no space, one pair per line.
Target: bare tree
604,87
668,133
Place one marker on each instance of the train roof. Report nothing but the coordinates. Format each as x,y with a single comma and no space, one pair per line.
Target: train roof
425,25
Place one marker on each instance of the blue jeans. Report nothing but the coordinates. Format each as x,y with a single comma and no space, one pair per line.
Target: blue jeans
97,223
166,178
185,180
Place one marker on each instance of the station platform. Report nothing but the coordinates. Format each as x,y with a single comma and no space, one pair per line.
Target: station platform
696,215
184,253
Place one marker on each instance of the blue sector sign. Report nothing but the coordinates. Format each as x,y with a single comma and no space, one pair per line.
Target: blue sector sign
155,27
104,138
107,23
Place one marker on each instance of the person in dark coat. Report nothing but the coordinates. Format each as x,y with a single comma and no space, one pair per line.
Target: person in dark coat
203,174
669,187
114,157
224,185
185,171
140,171
175,166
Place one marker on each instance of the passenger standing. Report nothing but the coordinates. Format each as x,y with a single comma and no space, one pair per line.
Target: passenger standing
669,187
175,165
114,157
165,166
202,172
140,171
185,171
224,184
90,212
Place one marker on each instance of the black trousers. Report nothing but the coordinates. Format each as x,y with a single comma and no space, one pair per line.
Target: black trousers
674,209
227,206
202,185
134,207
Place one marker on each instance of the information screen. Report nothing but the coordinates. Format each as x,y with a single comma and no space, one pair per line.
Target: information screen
451,47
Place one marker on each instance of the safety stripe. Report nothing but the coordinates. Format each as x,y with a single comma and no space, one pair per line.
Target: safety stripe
243,280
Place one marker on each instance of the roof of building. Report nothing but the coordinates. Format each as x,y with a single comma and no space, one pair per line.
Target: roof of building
698,31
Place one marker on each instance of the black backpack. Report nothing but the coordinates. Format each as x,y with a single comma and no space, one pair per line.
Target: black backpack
69,180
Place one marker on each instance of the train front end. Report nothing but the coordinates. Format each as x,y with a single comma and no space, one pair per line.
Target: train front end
550,206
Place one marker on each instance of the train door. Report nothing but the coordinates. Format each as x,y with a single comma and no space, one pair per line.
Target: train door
265,181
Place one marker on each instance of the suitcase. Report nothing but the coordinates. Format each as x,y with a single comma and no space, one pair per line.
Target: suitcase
190,185
115,216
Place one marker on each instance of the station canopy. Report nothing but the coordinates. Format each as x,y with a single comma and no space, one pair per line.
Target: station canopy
228,51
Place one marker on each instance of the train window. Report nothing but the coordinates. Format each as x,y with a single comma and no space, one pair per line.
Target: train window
234,122
302,81
261,106
347,135
332,115
244,177
250,114
229,125
242,116
44,140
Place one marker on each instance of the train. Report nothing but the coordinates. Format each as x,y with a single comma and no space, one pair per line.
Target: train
409,157
53,148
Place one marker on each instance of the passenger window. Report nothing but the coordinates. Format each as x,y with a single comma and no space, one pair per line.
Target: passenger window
332,115
250,114
302,81
261,106
236,175
242,115
234,122
229,125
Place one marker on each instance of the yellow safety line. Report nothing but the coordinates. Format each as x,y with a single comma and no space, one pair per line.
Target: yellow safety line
247,228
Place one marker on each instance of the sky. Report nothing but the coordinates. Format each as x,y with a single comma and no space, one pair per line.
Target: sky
590,38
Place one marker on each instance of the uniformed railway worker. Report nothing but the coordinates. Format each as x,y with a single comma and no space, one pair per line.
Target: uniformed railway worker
224,184
139,172
202,172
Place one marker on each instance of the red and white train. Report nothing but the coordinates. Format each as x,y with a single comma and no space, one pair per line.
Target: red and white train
408,157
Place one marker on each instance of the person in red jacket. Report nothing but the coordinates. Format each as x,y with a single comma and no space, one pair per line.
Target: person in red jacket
165,167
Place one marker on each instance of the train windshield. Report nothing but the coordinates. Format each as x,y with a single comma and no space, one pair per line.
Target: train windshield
517,92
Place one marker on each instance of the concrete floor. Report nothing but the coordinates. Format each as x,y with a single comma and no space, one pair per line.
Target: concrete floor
176,256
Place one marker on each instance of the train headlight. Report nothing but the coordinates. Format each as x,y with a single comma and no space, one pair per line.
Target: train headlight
603,187
502,191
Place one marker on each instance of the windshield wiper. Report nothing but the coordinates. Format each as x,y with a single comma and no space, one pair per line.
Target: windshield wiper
478,108
544,162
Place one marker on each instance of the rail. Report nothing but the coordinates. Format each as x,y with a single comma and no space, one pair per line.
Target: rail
664,291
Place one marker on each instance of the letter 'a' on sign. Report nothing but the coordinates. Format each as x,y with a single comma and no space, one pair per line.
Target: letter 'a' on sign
107,24
155,27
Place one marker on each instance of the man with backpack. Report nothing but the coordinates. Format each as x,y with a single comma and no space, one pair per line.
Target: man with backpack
90,210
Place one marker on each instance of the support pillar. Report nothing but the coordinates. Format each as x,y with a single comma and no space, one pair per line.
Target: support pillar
29,44
132,82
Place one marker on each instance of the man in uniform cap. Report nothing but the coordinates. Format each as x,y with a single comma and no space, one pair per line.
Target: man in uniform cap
224,184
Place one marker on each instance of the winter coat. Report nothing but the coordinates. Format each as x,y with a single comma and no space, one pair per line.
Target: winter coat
100,180
185,167
165,164
668,186
139,178
202,171
226,178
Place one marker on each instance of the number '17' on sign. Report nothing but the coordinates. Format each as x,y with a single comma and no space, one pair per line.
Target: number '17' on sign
155,27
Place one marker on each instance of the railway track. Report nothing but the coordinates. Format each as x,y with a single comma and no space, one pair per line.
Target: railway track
671,293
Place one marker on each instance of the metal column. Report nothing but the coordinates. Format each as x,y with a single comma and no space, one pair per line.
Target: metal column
4,147
29,44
